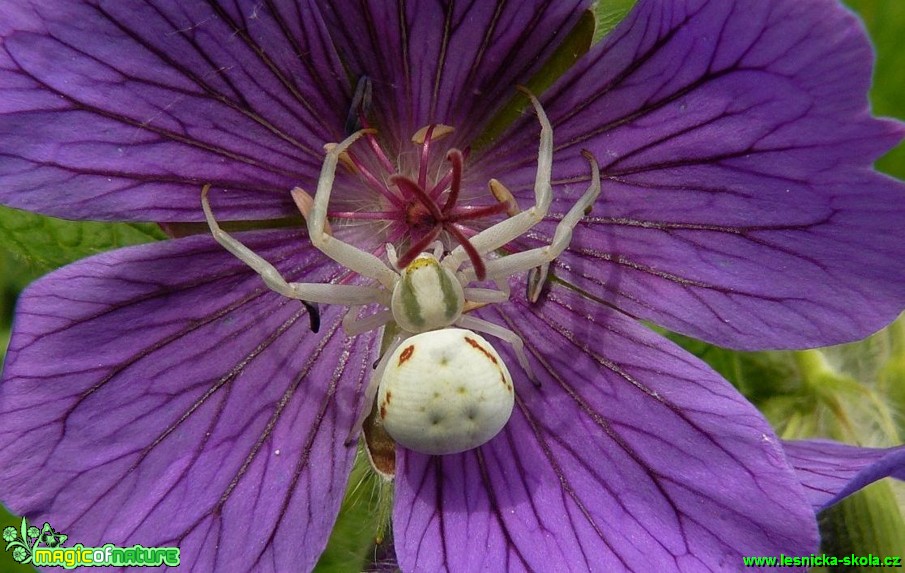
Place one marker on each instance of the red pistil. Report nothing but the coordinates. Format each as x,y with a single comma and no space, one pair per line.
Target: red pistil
477,262
455,157
424,211
418,203
408,186
419,247
372,181
425,156
471,212
375,147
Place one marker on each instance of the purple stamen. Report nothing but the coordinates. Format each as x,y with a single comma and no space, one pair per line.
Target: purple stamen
454,156
480,270
363,215
468,213
466,231
373,182
421,214
377,149
425,155
441,186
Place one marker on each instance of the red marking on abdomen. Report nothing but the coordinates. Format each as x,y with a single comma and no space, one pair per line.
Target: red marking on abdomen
478,346
406,354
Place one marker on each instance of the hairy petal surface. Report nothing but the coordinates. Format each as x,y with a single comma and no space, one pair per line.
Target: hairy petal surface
157,98
631,455
830,471
735,143
162,395
440,61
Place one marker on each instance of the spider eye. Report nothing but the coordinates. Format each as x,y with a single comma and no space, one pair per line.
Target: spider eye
444,392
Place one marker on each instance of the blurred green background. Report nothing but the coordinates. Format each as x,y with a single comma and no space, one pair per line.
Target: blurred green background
854,393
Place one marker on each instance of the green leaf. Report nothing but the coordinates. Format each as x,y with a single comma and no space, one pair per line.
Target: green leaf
47,243
890,379
575,45
853,392
757,375
609,13
869,522
885,20
844,407
362,521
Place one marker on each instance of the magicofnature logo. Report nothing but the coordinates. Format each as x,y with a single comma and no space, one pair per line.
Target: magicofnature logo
44,548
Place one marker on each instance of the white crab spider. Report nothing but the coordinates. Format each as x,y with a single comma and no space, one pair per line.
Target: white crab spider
442,389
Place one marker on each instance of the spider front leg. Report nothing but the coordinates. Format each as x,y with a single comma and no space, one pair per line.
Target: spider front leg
520,262
353,258
308,292
496,236
515,263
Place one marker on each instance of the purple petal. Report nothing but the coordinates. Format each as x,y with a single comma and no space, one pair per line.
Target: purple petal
162,395
156,99
735,143
448,62
830,471
631,455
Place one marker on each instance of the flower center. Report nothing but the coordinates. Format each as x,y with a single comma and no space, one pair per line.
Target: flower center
420,200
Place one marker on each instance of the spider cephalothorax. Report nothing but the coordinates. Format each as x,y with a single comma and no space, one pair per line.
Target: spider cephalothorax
442,388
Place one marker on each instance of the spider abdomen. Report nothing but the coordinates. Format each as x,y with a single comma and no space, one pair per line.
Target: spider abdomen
444,392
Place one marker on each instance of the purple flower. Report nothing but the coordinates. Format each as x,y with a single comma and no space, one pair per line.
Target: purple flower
162,395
